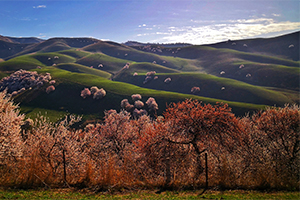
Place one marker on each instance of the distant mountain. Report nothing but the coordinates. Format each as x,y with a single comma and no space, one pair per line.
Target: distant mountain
21,40
10,46
26,40
285,46
50,45
171,45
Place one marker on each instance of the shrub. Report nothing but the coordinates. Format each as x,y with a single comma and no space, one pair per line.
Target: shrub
52,82
94,89
151,73
50,88
147,79
23,79
168,80
138,104
99,94
126,105
136,97
85,93
138,113
195,90
152,105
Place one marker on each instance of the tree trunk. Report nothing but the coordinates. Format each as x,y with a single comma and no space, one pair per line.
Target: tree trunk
64,163
199,168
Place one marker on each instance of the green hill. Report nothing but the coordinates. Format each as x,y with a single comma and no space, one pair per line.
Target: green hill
210,86
246,80
73,67
66,98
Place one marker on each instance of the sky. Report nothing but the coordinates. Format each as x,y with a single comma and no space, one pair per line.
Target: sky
155,21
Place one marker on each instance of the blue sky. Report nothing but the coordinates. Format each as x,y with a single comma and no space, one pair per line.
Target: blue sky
161,21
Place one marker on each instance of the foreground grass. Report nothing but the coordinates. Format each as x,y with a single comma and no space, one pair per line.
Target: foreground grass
72,194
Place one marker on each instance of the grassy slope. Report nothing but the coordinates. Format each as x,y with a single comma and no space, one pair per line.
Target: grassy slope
76,53
33,60
142,67
210,87
110,64
213,61
21,62
128,53
265,70
208,53
73,67
66,98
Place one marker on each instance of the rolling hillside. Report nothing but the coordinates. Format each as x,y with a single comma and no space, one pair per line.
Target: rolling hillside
246,79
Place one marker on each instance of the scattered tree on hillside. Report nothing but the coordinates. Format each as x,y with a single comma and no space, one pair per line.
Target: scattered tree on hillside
50,88
99,94
136,97
22,80
52,82
95,91
138,104
168,80
85,93
126,105
152,105
195,90
136,109
149,76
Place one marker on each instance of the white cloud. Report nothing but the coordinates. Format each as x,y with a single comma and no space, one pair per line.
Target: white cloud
40,6
224,30
145,34
42,35
276,15
251,21
162,33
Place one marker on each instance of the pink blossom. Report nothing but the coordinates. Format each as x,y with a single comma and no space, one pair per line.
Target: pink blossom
168,80
136,97
151,103
195,90
99,94
85,93
138,104
50,89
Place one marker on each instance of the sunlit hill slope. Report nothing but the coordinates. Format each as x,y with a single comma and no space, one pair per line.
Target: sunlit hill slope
246,74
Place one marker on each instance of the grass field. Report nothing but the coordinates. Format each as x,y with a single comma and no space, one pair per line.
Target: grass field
76,194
